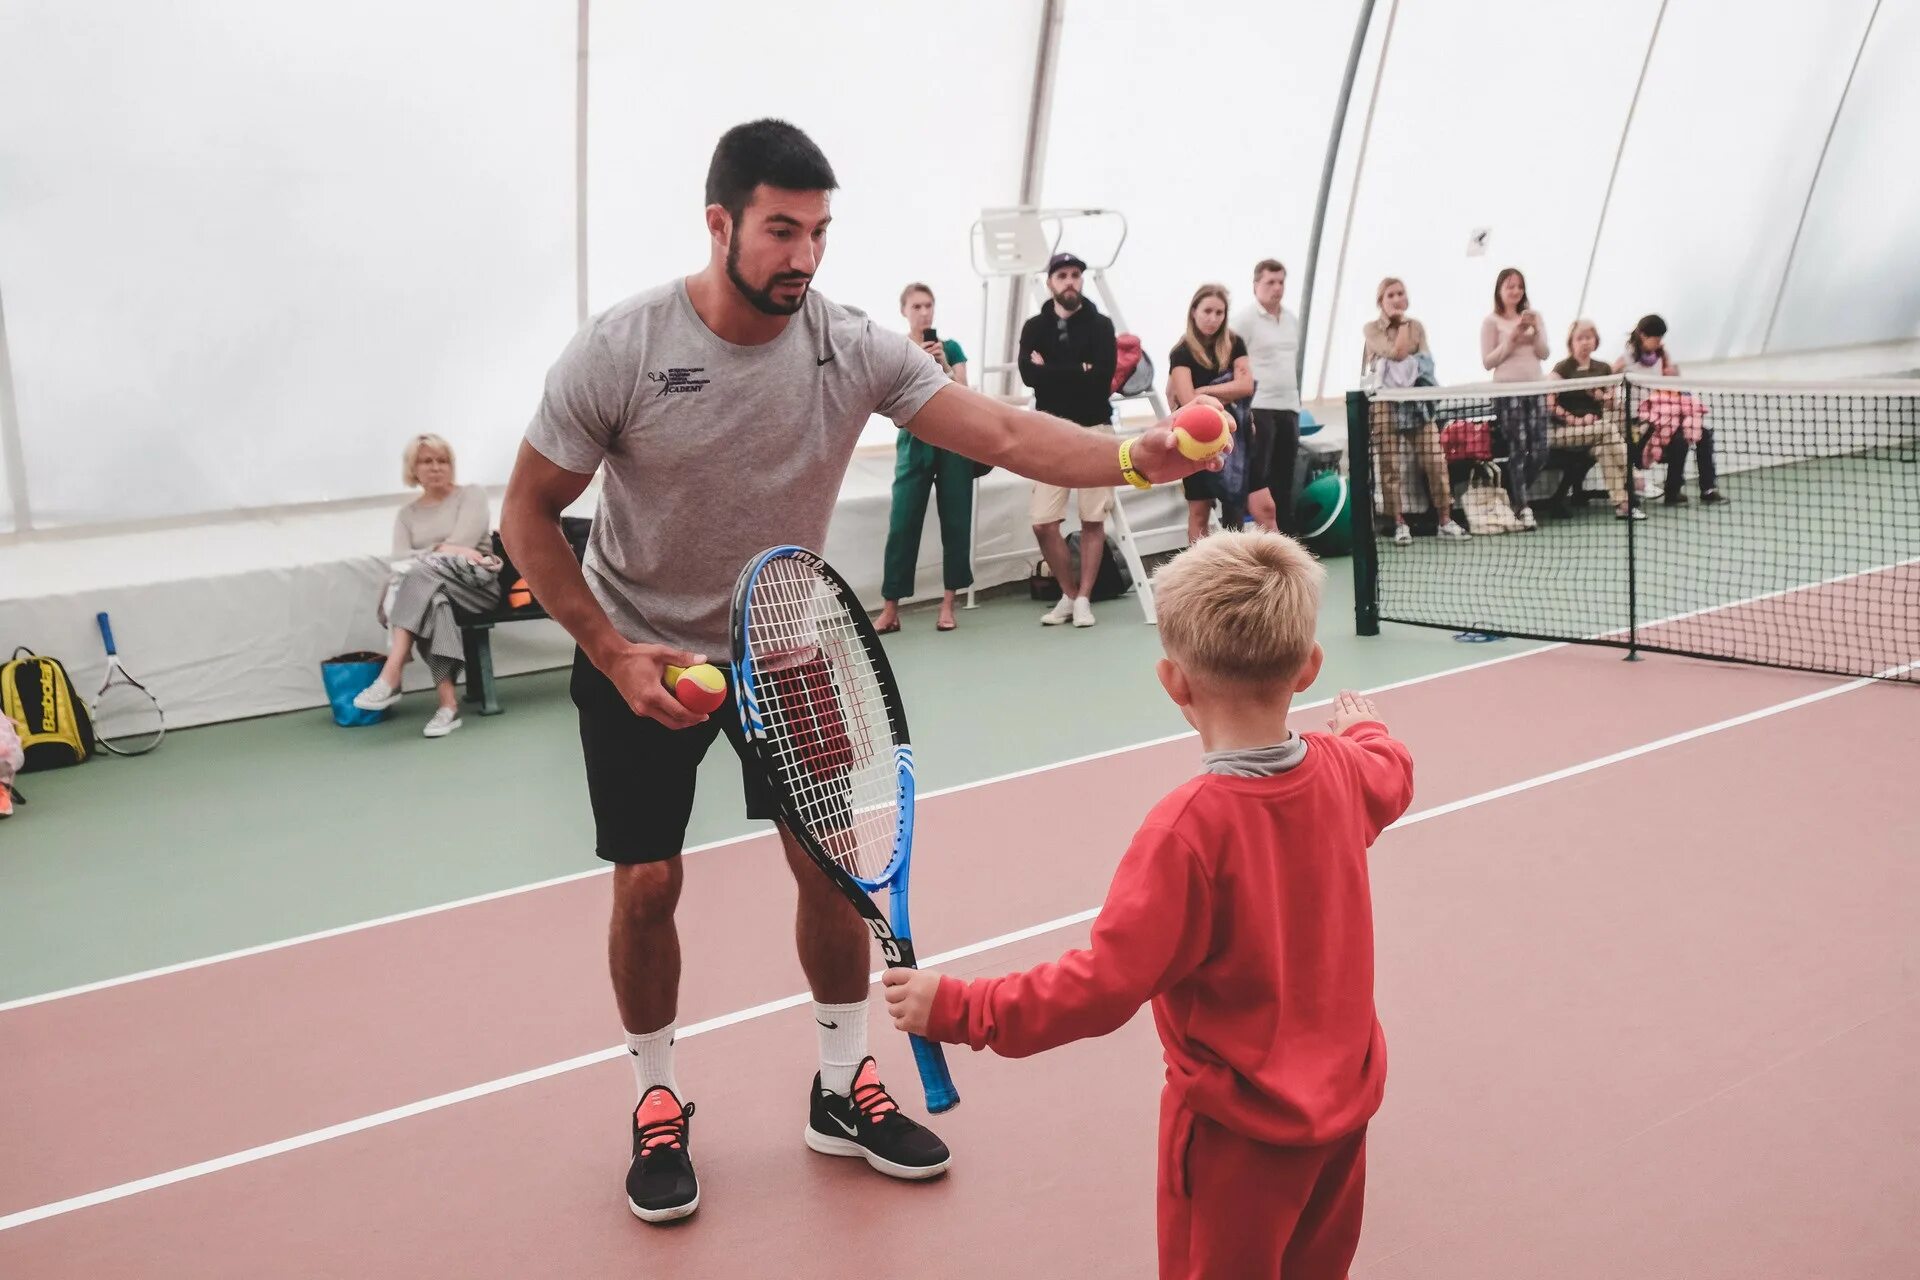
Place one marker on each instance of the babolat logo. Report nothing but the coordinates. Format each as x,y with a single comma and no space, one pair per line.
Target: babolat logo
49,712
678,381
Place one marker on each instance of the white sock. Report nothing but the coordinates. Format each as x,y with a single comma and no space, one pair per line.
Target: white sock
843,1043
652,1056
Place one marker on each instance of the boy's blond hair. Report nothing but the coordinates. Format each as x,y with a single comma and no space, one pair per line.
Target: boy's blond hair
1240,606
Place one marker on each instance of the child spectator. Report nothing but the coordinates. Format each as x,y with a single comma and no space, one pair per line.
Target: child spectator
1672,419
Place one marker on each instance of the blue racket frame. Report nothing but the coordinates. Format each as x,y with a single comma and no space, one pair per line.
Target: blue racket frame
893,930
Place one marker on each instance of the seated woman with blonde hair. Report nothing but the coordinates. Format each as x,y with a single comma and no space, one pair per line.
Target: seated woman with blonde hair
1592,417
441,558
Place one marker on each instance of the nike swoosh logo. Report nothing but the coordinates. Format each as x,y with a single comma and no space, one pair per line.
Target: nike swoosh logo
845,1128
820,360
831,1026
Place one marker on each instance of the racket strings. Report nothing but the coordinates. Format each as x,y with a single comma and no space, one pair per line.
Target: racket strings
826,716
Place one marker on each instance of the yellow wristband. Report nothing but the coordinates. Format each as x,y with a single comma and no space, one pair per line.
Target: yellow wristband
1127,468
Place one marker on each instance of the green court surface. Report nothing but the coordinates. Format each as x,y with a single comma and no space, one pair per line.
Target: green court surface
235,835
1784,528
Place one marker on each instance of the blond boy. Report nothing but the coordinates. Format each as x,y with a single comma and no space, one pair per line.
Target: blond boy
1242,913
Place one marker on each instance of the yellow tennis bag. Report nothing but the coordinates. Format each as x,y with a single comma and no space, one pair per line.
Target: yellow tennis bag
53,724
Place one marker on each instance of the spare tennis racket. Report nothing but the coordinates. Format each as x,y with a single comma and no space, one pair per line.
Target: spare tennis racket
126,718
819,706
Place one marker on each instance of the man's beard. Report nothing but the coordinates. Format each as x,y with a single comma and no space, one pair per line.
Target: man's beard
1068,299
762,300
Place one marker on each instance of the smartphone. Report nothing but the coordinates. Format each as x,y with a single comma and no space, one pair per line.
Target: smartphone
929,335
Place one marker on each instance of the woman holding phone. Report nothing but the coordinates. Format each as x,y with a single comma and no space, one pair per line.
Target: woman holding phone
920,469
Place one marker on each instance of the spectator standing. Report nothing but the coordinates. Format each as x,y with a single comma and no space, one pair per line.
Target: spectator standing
919,469
1397,355
1272,335
1513,342
1067,356
1212,358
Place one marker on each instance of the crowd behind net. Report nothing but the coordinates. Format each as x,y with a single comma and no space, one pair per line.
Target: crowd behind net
1809,559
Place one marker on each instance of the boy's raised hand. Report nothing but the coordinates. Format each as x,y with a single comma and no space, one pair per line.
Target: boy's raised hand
1349,709
910,995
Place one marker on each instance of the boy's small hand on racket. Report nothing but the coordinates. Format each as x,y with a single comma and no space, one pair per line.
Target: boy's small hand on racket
639,672
910,995
1349,709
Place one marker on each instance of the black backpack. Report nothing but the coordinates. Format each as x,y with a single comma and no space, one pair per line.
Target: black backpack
1114,579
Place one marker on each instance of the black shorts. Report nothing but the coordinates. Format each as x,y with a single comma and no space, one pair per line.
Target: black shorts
1203,486
640,774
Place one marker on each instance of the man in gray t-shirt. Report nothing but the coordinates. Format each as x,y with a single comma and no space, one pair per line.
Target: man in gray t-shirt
721,411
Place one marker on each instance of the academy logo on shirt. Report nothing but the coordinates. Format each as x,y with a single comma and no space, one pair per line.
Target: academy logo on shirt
679,381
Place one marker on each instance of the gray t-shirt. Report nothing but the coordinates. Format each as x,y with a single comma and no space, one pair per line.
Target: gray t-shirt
1257,762
714,452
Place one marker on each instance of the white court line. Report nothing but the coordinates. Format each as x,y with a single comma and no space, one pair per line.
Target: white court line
497,894
346,1128
1644,627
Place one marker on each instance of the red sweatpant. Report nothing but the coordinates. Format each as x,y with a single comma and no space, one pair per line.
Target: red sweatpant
1231,1208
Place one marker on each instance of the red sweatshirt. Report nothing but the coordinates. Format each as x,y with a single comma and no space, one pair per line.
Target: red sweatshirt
1242,912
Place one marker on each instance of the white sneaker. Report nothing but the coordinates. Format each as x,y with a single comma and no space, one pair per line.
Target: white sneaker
1527,521
377,696
1402,536
1083,612
1060,614
1452,529
443,723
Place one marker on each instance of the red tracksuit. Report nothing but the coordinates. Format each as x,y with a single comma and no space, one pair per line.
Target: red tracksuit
1242,912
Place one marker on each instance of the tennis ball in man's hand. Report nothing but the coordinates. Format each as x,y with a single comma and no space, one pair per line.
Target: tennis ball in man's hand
1200,430
700,689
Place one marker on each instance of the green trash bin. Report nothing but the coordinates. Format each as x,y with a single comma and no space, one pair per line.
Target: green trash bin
1324,515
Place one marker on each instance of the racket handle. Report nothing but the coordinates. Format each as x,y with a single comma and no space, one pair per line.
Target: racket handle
106,633
934,1079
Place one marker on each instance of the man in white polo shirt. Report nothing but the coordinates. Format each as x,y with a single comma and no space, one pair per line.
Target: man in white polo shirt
1272,335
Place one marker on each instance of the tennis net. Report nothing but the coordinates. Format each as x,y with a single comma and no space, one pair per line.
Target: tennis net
1767,523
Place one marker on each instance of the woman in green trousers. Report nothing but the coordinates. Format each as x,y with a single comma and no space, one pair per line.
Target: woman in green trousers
920,469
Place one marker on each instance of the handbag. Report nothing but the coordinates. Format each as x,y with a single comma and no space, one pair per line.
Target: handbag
1462,440
1485,503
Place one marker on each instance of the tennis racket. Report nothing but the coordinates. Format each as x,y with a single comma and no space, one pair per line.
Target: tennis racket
822,713
126,718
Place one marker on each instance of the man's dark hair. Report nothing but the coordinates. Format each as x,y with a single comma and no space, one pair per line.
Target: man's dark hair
765,151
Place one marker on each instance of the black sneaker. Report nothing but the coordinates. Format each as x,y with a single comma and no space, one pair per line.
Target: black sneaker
870,1126
1675,499
660,1182
1713,497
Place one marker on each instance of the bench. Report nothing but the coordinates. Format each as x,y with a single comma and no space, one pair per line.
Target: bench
476,629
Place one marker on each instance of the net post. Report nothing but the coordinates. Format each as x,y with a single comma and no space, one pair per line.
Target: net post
1633,576
1366,568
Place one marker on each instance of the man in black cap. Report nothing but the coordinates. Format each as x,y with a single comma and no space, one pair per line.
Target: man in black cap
1067,356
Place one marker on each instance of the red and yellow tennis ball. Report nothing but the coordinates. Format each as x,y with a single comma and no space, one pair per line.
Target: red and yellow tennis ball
1200,430
700,689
